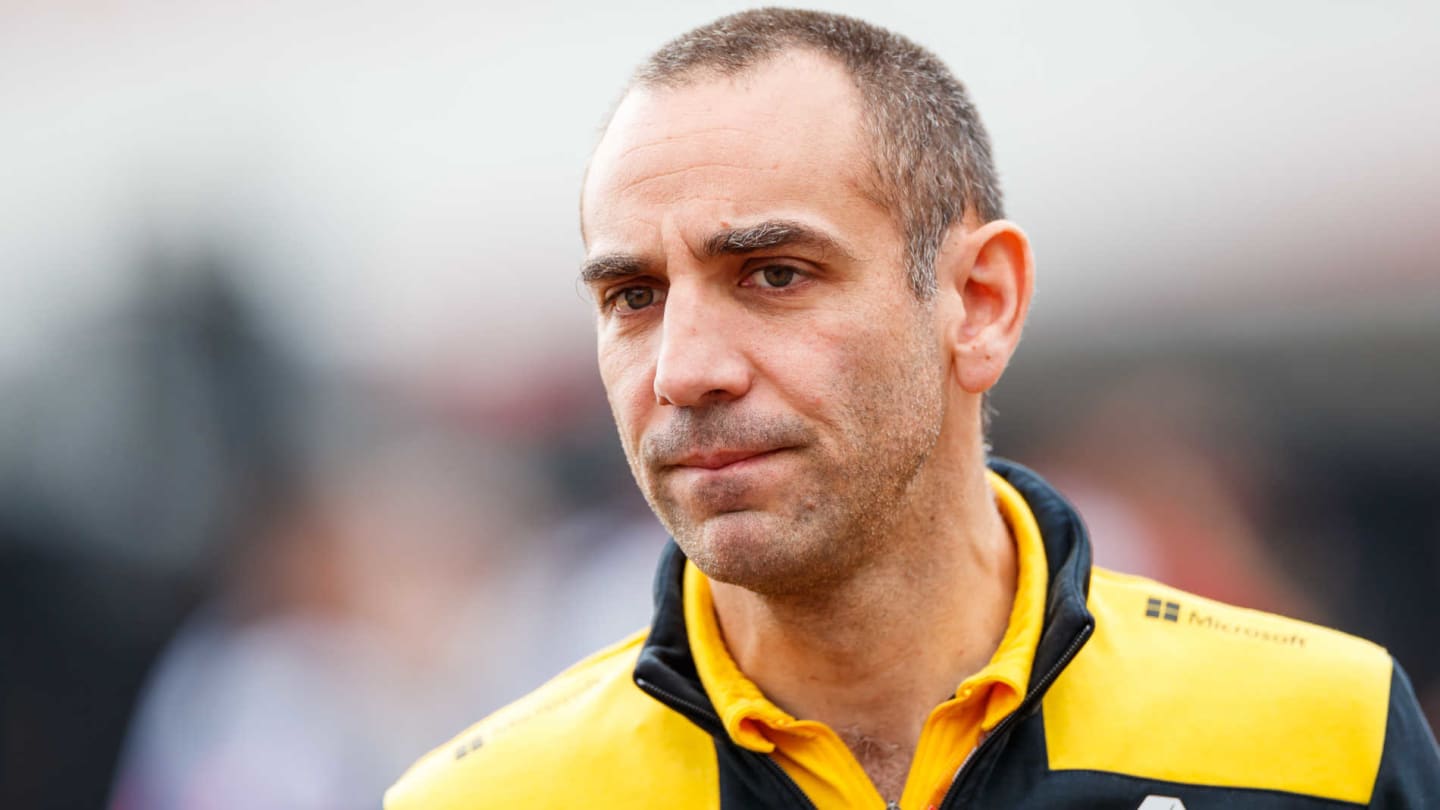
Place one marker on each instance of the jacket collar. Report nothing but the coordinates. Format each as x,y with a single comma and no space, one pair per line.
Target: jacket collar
666,669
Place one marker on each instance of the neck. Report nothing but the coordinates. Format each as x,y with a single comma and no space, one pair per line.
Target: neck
861,656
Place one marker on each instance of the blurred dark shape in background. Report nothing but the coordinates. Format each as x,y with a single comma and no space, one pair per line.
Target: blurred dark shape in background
131,459
316,578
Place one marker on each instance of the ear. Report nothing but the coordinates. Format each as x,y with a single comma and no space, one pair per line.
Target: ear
988,275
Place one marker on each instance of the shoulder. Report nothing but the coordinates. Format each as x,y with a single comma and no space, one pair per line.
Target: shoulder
1259,650
1179,687
581,735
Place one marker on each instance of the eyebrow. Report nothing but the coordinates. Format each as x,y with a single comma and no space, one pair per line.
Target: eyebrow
610,266
765,235
772,234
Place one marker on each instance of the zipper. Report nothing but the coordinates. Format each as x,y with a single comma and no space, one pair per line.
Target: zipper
1000,731
666,697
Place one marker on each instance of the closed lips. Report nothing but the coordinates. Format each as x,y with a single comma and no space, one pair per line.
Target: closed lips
715,459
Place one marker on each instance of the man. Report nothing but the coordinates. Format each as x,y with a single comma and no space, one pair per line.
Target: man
804,288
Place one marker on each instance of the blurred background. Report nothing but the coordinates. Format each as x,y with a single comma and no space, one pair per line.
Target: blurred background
304,461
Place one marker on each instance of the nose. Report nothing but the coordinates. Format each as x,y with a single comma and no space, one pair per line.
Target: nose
701,359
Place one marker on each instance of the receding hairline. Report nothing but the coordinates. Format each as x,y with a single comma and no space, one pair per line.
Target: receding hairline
866,182
702,71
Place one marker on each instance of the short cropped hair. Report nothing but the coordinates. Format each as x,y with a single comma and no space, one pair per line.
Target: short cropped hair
929,153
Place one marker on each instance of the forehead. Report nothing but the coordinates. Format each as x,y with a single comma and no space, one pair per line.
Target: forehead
783,136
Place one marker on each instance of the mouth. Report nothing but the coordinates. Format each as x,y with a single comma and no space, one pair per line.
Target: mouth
724,459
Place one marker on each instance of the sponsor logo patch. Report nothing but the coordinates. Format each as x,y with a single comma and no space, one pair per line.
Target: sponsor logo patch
1157,609
473,744
1167,611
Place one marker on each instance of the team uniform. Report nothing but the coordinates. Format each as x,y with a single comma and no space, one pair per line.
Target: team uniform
1107,691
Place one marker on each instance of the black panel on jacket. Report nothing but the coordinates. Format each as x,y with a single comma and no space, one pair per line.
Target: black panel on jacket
751,781
1410,768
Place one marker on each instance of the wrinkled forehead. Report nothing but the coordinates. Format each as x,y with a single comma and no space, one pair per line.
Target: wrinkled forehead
784,131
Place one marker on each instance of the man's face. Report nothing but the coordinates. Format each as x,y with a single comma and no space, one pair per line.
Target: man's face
777,387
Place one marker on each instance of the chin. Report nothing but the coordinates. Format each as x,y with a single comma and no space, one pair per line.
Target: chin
757,551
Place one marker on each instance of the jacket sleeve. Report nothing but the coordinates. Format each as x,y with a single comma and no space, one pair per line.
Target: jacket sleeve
1409,776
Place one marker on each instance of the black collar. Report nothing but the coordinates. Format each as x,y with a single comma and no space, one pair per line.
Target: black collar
666,669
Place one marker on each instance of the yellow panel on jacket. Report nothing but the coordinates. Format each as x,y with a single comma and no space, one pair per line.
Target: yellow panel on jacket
1177,687
589,726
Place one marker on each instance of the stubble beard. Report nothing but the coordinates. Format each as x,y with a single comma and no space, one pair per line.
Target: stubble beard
851,491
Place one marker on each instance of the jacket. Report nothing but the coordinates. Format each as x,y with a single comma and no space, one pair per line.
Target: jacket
1140,696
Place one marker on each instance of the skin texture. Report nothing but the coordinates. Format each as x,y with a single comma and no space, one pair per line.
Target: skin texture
806,428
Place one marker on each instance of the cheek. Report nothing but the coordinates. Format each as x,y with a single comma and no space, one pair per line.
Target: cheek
628,375
852,370
816,367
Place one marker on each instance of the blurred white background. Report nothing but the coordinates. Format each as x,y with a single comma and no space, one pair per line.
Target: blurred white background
404,175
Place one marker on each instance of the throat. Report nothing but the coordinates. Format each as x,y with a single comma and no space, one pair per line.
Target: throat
886,763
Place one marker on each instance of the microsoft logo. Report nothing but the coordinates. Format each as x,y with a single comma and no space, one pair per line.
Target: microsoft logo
1156,609
475,744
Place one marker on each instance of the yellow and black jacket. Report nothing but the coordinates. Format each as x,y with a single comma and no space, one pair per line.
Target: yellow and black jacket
1130,695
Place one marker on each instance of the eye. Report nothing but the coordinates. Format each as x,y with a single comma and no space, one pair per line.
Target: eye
633,299
775,276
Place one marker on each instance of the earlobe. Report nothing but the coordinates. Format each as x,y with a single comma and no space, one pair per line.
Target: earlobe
991,278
